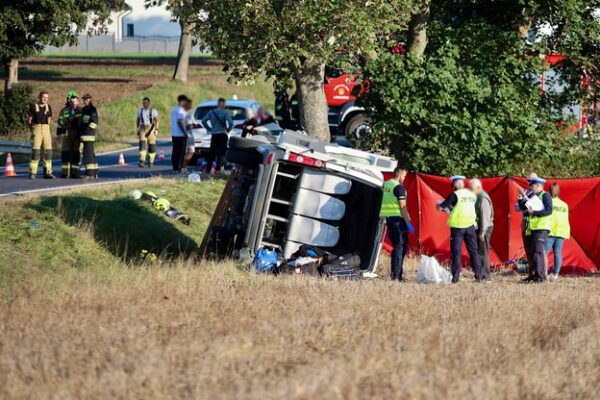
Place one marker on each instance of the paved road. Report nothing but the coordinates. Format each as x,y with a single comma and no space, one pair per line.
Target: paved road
110,172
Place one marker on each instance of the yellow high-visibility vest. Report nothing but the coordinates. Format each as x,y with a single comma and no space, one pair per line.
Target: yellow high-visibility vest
540,223
389,204
559,220
463,214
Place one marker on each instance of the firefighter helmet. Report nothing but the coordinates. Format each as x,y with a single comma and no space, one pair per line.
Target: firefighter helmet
162,204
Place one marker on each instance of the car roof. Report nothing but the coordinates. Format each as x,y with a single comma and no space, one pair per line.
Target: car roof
229,103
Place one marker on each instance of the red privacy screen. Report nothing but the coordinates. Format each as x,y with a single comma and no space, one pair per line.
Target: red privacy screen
581,253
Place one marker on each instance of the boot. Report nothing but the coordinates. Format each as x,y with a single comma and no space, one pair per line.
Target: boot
49,176
150,165
142,164
31,175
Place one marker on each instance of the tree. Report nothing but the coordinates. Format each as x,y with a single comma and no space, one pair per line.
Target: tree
294,40
184,13
27,26
470,100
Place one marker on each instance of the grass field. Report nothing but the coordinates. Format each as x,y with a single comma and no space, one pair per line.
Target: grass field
82,317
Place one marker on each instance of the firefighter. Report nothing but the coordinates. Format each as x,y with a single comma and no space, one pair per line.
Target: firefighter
87,134
397,219
147,129
461,206
540,222
68,128
282,110
38,121
294,113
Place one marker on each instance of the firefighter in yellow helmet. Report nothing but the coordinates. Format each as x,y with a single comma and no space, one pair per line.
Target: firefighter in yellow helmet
87,134
38,120
69,119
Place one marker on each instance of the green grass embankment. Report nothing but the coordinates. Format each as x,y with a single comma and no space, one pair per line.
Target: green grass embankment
98,231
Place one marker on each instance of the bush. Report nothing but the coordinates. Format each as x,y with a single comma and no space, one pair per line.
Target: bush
13,109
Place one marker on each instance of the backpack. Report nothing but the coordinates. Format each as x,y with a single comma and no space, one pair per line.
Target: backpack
265,260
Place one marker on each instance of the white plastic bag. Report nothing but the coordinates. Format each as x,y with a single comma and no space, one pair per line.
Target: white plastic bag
430,271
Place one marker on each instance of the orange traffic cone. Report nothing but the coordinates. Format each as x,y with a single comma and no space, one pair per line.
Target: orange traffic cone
121,160
10,168
161,156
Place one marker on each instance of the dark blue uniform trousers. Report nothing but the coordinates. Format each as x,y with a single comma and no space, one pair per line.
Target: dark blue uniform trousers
469,236
399,238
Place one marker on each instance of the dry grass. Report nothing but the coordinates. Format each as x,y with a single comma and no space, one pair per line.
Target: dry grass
220,332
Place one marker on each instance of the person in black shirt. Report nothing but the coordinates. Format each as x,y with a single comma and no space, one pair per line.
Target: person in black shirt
38,120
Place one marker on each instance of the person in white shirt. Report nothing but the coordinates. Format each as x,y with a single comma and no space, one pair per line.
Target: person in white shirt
178,133
190,121
147,130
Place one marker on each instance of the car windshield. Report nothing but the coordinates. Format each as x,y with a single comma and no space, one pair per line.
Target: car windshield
237,113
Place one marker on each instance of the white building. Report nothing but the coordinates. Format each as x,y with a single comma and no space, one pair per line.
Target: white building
139,21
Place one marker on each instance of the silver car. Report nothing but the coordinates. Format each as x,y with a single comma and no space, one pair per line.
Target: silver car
236,108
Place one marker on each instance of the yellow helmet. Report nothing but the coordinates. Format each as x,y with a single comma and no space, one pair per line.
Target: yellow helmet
162,204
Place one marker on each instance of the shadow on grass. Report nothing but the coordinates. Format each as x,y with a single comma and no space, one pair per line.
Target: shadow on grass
125,227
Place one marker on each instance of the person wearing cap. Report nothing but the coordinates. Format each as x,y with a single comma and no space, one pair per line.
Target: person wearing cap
147,124
485,225
397,219
39,118
560,229
87,134
539,225
461,205
67,127
178,133
523,196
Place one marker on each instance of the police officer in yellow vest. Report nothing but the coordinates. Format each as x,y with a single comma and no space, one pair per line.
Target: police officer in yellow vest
560,230
397,220
539,225
461,206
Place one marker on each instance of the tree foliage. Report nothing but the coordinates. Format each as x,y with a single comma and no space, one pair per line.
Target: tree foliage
27,26
473,103
292,41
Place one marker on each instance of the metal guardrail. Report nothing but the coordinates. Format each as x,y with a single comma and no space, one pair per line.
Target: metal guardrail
15,147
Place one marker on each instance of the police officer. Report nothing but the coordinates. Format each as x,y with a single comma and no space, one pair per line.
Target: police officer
539,225
68,128
461,206
282,110
560,230
147,128
87,134
397,219
38,120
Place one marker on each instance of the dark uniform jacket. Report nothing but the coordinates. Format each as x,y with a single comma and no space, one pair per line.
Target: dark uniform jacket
89,123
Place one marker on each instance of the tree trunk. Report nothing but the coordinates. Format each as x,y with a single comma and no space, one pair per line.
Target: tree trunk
183,53
417,31
311,98
11,70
